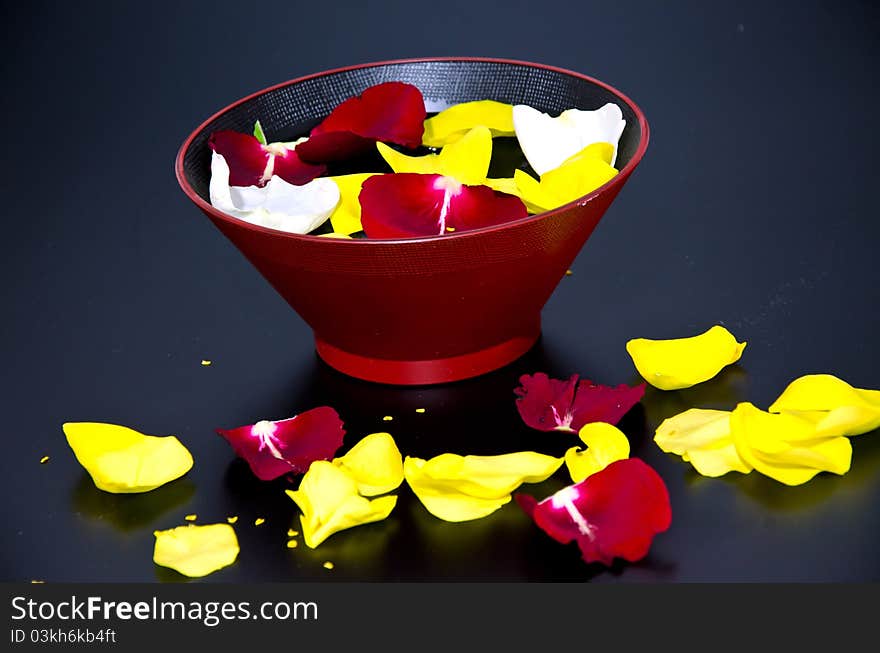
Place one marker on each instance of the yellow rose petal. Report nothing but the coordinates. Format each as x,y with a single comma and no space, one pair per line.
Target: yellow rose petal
784,447
346,217
702,437
374,463
684,362
196,550
121,460
605,445
579,175
836,406
451,124
466,160
329,500
442,498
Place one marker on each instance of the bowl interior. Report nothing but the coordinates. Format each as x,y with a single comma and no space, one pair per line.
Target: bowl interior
291,110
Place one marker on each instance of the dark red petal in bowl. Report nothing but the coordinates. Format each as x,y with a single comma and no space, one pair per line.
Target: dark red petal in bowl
615,513
334,146
291,445
244,155
392,112
294,170
408,204
602,403
543,403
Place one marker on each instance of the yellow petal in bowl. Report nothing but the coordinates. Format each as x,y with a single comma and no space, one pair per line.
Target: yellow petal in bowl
451,124
837,407
684,362
122,460
605,444
466,160
329,500
374,463
196,550
346,217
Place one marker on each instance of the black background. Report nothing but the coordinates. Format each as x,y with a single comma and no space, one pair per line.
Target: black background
755,207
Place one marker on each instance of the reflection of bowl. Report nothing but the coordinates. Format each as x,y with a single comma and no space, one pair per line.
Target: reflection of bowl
419,310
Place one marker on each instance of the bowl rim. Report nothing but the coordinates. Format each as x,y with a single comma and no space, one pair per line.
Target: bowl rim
215,213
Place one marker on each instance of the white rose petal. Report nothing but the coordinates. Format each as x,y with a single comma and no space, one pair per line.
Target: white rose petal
547,142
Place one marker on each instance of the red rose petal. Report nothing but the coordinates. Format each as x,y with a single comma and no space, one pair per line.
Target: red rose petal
273,449
392,112
294,170
409,204
550,404
615,513
244,155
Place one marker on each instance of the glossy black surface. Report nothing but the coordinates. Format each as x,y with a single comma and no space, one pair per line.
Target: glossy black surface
755,207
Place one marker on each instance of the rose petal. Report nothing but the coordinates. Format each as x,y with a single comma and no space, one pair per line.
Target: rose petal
278,204
684,362
294,170
785,447
605,445
547,142
329,500
374,463
122,460
466,160
551,404
290,445
578,176
403,205
461,488
392,112
451,124
840,408
196,551
346,217
615,513
252,164
703,438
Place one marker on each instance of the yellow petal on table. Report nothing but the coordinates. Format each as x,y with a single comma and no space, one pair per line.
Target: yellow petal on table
346,217
605,444
196,550
836,406
684,362
466,160
491,476
374,463
451,124
122,460
442,497
784,447
702,437
329,500
578,175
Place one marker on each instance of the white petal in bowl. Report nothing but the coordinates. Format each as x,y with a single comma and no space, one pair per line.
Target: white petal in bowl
547,142
277,205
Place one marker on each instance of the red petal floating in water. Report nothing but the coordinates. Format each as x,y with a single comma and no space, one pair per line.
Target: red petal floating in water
289,445
408,204
245,156
615,513
252,164
550,404
392,112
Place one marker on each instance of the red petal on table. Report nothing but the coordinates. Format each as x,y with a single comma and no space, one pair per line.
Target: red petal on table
615,513
392,112
409,204
294,170
244,155
551,404
290,445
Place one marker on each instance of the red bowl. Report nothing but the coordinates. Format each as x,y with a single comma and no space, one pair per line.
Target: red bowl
429,310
